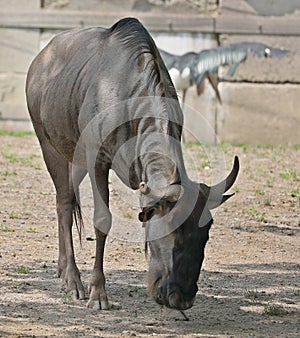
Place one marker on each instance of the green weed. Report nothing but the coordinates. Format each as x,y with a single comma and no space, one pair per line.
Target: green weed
5,228
245,148
128,215
66,298
259,192
236,189
267,202
292,202
34,230
274,310
16,133
226,147
289,174
13,215
205,164
253,296
22,270
139,291
294,193
24,160
12,284
260,217
7,173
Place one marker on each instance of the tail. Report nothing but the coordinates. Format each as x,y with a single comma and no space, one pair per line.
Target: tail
78,216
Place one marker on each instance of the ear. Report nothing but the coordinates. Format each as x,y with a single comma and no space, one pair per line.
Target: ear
214,203
146,214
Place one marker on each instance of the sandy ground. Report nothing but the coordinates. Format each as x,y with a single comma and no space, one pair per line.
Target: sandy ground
250,281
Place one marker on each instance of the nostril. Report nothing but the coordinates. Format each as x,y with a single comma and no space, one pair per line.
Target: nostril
177,302
171,296
176,299
159,296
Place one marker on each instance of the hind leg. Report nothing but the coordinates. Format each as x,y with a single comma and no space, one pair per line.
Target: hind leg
65,216
60,173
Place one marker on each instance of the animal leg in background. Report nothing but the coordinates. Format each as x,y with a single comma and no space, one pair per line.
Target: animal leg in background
214,81
60,172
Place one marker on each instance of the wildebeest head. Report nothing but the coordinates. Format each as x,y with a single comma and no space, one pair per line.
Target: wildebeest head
177,228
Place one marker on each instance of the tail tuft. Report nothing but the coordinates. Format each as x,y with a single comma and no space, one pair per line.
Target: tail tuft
78,219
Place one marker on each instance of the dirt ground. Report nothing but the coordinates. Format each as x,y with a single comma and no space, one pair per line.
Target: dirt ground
250,281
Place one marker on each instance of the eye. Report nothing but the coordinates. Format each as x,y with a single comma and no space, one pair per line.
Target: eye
267,52
170,205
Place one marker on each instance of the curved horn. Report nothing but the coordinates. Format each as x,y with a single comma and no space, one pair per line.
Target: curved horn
226,184
215,193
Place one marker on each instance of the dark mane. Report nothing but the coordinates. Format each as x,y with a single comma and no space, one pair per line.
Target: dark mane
134,37
139,45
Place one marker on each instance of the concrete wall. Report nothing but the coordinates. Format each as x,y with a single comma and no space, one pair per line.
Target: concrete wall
168,6
17,49
262,106
273,119
260,103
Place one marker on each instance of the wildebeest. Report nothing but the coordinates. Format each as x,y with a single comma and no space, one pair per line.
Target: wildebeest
192,68
102,99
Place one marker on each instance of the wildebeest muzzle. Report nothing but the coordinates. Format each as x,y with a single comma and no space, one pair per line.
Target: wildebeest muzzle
171,296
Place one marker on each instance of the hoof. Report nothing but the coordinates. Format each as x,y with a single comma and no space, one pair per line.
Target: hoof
96,305
77,294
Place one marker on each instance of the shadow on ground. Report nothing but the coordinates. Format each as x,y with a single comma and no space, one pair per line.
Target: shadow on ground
222,305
